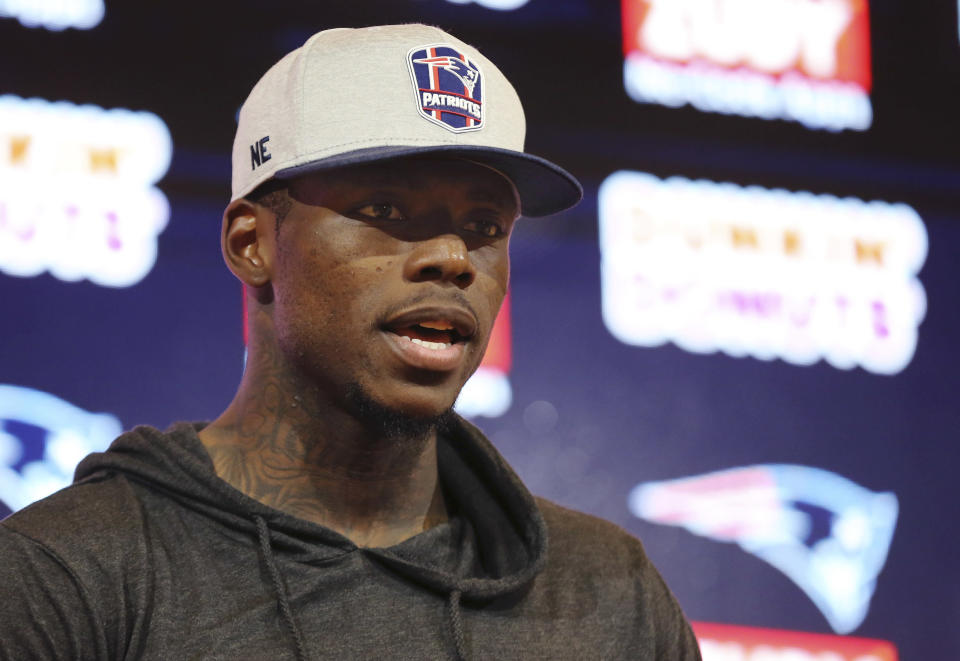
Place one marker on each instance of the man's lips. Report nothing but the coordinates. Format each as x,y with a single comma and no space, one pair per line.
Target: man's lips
431,338
434,357
434,322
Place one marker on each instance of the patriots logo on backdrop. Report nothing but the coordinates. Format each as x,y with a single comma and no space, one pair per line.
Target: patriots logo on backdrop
42,438
829,535
448,86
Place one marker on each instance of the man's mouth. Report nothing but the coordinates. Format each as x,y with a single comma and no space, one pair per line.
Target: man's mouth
432,338
433,335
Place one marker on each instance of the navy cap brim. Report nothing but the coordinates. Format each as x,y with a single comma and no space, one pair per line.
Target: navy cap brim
544,188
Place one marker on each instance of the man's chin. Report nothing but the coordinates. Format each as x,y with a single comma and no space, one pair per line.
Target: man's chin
392,423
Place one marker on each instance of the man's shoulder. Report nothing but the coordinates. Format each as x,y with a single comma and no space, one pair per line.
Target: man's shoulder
599,574
582,548
580,536
85,517
72,564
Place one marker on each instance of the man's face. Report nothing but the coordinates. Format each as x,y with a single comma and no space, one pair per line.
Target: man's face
388,278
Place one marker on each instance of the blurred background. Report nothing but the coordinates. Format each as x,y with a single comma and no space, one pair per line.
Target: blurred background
741,346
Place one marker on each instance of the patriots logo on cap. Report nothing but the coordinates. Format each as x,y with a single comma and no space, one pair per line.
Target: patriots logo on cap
448,86
825,532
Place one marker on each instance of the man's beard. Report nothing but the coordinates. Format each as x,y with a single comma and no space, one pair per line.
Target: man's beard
392,424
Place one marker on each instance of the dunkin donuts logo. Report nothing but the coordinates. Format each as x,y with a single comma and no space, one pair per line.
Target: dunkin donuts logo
712,266
449,87
78,194
55,16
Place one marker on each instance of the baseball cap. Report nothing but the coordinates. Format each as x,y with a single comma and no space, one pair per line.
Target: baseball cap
353,96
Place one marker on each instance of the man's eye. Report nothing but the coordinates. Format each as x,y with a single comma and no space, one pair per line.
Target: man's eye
380,211
486,228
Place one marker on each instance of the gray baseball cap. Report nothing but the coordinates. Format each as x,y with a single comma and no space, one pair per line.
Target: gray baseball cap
353,96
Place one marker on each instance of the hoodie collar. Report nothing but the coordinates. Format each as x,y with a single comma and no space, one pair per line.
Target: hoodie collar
495,542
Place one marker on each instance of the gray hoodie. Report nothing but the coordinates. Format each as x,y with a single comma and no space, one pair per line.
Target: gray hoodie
149,555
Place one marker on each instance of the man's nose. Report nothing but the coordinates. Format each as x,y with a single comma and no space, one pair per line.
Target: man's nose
443,258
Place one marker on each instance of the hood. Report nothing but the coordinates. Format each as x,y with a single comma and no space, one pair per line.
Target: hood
494,544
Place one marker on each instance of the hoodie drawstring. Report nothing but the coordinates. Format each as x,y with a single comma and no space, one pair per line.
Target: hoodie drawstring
456,623
283,602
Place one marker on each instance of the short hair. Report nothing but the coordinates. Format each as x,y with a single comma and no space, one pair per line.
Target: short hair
273,195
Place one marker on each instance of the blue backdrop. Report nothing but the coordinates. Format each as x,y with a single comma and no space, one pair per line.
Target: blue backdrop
591,417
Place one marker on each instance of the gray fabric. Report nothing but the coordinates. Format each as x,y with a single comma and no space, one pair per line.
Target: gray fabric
150,556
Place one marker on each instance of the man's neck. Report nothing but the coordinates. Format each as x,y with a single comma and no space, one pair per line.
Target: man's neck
281,443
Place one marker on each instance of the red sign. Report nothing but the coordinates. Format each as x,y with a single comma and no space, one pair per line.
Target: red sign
825,39
724,642
801,60
498,354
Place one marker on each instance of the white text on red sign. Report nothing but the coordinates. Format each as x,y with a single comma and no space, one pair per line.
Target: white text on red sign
802,60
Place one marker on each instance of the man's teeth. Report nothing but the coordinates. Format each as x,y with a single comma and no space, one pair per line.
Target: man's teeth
428,345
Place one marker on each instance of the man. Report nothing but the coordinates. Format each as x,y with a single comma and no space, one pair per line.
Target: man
337,508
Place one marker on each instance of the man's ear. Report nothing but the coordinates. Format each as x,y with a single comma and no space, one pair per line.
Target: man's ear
247,242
